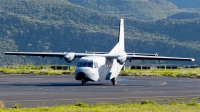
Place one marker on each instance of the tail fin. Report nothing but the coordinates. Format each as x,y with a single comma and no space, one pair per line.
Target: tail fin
120,45
121,35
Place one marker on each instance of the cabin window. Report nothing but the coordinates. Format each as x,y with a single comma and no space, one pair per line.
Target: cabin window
85,64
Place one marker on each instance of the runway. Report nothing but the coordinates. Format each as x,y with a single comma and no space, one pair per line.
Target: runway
43,90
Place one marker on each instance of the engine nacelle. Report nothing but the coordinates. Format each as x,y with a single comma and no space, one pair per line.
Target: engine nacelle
121,59
69,57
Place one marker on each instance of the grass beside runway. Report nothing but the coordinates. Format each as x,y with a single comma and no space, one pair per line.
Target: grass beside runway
107,107
181,72
47,70
32,69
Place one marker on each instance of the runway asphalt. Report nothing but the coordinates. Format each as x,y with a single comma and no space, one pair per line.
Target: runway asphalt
42,90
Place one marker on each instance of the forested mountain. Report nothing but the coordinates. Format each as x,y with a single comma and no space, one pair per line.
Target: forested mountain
140,9
188,9
62,26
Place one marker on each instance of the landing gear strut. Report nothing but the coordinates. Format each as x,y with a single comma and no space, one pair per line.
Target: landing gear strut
114,81
83,82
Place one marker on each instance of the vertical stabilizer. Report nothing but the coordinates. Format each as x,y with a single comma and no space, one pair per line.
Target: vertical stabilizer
121,35
120,45
118,49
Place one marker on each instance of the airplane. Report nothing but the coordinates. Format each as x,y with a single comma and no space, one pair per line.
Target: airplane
97,66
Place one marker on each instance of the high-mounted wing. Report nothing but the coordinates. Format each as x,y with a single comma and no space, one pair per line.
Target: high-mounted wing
96,52
69,56
60,54
142,54
43,54
143,57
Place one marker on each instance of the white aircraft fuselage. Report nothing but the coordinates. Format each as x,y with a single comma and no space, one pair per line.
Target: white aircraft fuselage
94,68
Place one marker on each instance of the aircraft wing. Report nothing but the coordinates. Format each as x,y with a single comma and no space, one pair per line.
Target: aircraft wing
143,57
142,54
43,54
70,55
59,54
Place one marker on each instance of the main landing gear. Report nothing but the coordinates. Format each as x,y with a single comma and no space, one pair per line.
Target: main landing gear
83,82
114,81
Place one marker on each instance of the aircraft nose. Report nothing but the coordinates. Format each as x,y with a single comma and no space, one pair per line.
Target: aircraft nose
86,74
80,76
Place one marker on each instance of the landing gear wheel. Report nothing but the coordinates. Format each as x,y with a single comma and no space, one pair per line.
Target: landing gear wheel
83,82
114,81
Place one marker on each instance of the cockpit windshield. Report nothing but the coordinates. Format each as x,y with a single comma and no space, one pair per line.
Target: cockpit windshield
85,64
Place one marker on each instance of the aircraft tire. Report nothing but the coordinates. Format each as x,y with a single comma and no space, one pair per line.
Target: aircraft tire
114,81
83,82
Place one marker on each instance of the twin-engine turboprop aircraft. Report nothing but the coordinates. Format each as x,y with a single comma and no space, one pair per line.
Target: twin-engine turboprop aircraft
96,66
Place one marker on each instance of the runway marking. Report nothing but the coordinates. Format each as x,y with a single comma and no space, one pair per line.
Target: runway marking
164,83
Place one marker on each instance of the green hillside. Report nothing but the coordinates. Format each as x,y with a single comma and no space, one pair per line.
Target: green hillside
61,26
188,9
140,9
185,15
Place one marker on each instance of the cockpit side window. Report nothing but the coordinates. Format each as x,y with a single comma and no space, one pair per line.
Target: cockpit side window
95,65
90,64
